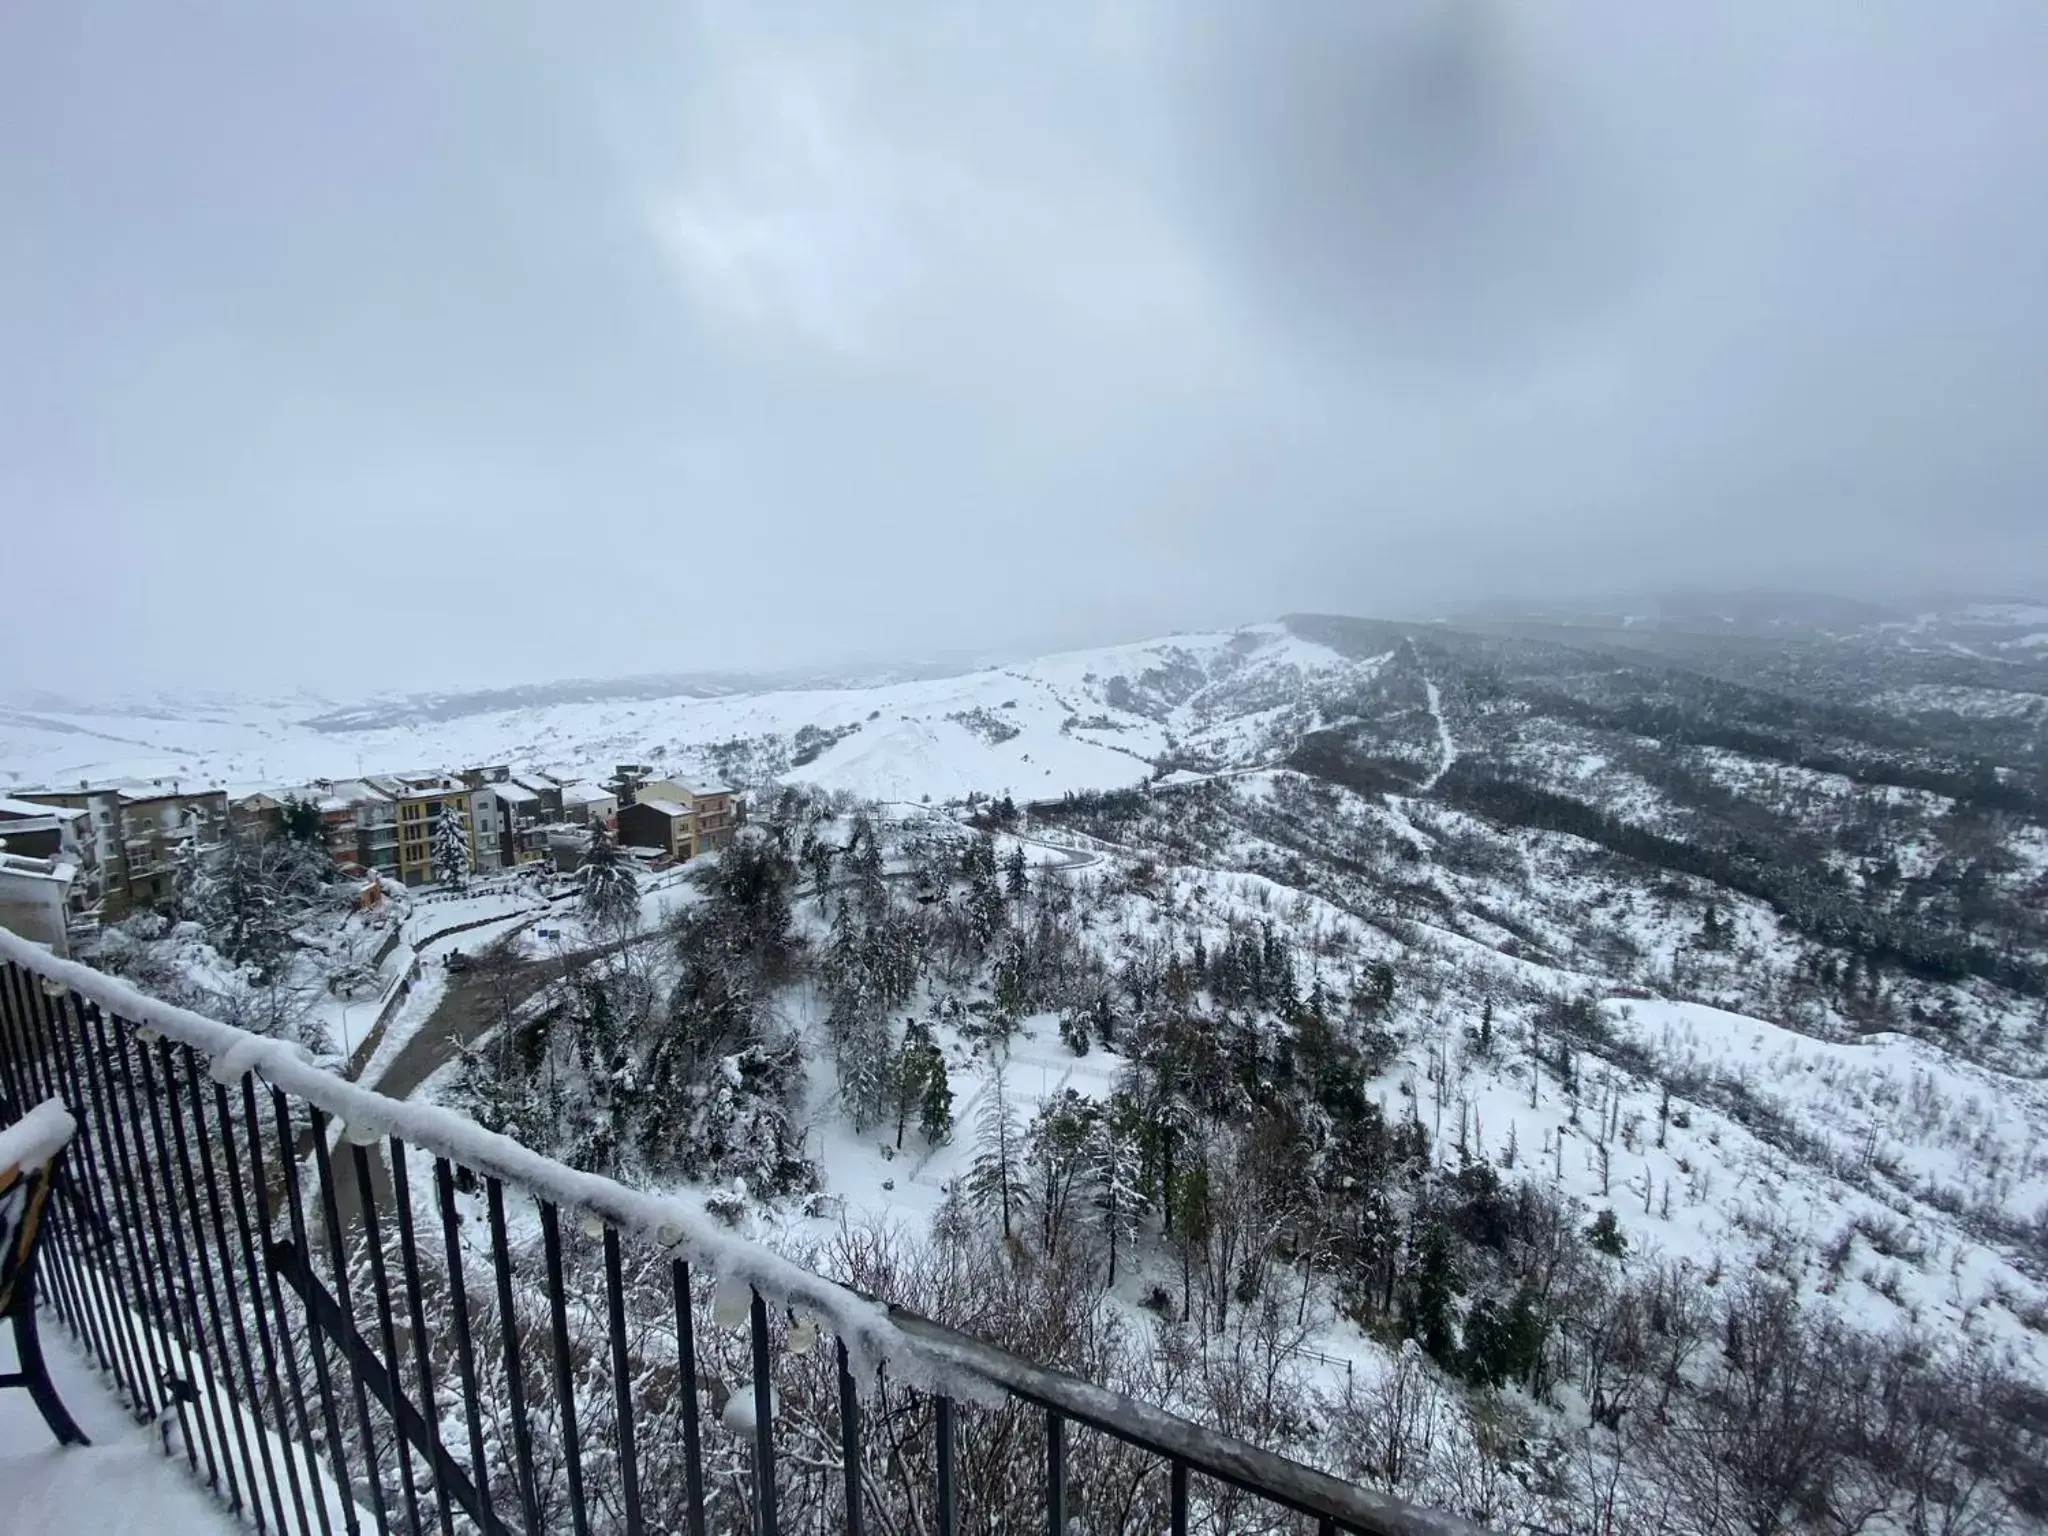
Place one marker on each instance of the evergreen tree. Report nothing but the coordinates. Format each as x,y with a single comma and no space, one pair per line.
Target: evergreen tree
996,1179
935,1106
912,1090
301,822
867,1065
1113,1173
611,893
451,848
1056,1157
863,862
816,857
1016,879
1606,1235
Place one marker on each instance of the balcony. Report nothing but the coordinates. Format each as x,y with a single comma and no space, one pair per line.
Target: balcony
354,1312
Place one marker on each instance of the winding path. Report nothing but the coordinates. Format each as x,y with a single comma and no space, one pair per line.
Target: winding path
1443,734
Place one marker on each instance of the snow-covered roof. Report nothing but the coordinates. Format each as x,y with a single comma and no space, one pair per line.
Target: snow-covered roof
512,792
585,794
705,786
21,826
11,810
63,871
540,783
665,807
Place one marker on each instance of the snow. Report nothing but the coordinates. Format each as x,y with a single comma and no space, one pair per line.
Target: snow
662,807
1443,735
37,1136
674,1222
28,867
14,809
122,1482
896,741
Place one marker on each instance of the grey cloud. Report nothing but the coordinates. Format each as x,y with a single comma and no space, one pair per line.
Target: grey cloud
370,346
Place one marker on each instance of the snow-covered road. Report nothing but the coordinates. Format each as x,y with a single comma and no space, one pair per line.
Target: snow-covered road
1443,735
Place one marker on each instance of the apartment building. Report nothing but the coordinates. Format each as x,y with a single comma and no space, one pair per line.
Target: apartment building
47,831
523,822
587,805
135,828
681,817
660,825
396,824
38,899
338,803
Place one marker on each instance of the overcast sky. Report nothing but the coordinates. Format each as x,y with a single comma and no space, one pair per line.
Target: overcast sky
368,346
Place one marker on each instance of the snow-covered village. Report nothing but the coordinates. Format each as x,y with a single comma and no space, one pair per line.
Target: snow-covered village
918,769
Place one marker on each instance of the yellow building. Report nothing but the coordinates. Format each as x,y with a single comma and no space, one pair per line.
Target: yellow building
419,801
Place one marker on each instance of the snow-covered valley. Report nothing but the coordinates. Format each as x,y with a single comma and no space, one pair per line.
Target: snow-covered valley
1466,1017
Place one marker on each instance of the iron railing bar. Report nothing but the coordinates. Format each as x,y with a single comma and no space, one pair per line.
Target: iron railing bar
223,1348
384,1384
68,1289
465,1346
416,1319
1056,1472
565,1365
337,1249
947,1515
508,1336
199,1342
849,1438
73,1193
90,1300
99,1076
182,1388
330,1415
1263,1474
294,1381
622,1380
227,1282
99,1187
764,1419
686,1356
253,1272
380,1290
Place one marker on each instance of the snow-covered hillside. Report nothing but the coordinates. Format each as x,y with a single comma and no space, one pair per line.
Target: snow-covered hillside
1095,719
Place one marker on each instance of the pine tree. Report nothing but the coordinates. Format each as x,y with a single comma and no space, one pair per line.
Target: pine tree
935,1107
865,1061
1113,1173
300,821
611,894
451,848
1056,1155
1016,882
995,1180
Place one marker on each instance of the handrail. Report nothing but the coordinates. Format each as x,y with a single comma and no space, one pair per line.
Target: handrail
41,996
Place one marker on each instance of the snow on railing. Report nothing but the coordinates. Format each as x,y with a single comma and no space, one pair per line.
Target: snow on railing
155,1319
668,1221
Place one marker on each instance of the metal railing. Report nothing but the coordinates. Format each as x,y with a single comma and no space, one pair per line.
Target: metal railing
347,1311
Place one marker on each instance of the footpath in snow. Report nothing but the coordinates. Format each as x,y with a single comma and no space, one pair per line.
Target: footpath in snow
1443,735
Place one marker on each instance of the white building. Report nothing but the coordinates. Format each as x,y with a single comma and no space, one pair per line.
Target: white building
35,899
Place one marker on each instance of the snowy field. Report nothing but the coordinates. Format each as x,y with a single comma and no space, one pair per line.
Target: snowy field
1055,724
